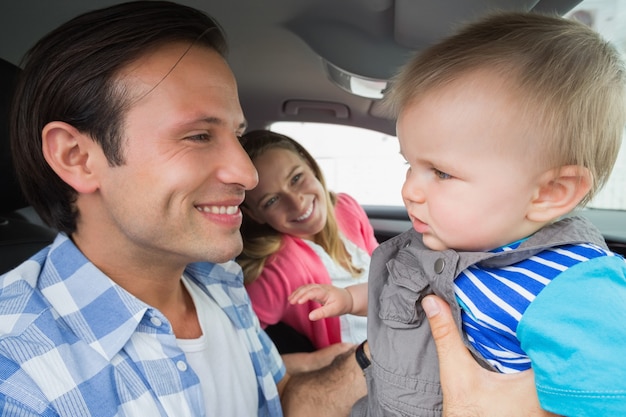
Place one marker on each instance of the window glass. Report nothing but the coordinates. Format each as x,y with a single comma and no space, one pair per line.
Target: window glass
608,17
367,164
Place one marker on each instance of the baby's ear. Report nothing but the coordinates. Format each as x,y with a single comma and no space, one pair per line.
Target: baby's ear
559,191
70,154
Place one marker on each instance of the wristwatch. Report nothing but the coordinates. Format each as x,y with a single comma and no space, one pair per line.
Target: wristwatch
361,357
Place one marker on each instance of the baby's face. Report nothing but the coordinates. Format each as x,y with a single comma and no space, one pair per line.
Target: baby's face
471,177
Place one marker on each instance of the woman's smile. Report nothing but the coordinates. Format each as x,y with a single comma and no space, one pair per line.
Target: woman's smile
307,214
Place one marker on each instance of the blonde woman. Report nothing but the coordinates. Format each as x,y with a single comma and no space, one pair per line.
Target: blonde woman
296,232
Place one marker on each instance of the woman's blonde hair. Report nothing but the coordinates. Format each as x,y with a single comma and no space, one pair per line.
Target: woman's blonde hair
261,241
570,81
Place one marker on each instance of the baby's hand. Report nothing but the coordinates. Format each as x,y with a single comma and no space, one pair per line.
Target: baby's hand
335,301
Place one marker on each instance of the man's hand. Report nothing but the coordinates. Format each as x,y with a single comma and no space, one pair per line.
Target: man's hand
330,391
297,363
468,389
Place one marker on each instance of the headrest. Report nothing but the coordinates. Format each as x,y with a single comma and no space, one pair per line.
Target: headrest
11,197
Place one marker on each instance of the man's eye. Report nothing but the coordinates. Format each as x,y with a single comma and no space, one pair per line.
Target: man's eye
441,175
202,137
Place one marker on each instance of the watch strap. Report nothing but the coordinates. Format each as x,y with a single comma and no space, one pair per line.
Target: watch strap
361,357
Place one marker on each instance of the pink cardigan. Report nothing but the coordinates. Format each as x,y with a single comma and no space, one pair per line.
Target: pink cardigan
296,264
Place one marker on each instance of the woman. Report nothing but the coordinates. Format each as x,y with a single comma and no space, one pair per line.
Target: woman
296,232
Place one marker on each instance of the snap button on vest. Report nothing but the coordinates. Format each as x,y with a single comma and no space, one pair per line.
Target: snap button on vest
440,264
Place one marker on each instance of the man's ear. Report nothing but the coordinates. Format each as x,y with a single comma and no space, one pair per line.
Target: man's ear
559,191
251,214
70,154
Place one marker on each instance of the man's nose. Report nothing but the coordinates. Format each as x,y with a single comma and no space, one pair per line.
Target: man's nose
237,168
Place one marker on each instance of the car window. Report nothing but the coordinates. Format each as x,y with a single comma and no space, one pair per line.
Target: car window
367,164
608,17
363,163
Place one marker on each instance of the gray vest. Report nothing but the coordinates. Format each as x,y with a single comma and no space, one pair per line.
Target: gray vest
403,379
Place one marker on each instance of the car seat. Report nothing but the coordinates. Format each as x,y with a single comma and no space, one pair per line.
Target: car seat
20,235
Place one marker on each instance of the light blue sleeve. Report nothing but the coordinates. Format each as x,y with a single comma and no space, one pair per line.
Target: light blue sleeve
575,335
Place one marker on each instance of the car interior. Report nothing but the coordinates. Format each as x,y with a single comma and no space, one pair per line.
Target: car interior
20,236
303,61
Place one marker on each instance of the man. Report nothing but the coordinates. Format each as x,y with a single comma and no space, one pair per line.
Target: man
124,136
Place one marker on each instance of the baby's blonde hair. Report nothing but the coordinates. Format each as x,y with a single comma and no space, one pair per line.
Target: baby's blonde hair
572,84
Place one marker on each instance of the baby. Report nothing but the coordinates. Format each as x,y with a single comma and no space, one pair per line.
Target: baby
506,127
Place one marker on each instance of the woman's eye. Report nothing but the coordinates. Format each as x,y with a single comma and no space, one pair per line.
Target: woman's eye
441,175
270,202
296,178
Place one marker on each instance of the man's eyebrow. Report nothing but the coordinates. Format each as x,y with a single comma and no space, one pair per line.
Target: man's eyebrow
214,121
191,121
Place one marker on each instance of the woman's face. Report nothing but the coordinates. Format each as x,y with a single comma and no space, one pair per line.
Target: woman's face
288,197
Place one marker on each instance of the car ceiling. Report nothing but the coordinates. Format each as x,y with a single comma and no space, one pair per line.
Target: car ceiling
277,47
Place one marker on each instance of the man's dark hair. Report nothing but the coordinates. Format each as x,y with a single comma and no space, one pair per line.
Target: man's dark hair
70,76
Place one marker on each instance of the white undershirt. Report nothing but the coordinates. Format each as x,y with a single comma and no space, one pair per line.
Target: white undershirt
353,328
220,360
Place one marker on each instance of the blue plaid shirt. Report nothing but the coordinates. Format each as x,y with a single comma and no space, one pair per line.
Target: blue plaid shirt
74,343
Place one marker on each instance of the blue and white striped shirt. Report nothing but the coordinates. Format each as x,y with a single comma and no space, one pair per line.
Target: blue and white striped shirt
493,300
74,343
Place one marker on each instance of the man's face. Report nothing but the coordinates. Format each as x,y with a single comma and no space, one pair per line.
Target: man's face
176,198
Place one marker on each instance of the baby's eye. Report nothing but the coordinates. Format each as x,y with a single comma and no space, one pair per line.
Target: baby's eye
441,175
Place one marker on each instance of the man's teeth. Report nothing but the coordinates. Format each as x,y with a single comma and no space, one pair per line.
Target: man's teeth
305,215
219,209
